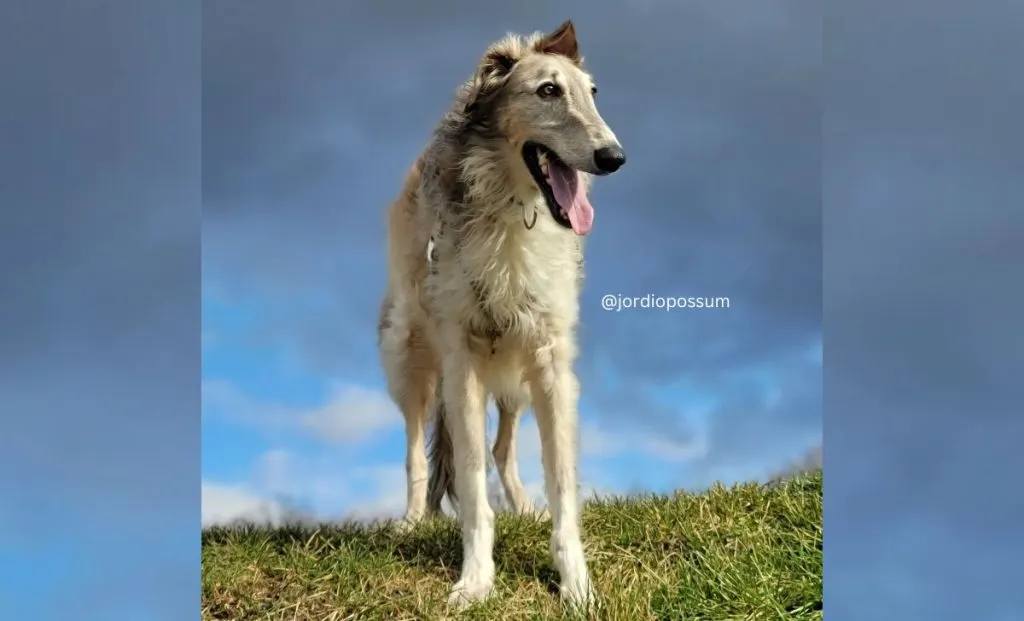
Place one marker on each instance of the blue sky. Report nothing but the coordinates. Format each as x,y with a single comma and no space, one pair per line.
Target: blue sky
849,177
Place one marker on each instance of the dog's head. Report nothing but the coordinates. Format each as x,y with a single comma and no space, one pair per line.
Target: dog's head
535,93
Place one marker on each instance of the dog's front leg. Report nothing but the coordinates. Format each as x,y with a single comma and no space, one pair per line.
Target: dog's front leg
465,402
555,393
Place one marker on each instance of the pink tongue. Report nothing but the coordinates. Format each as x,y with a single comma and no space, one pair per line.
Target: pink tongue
571,196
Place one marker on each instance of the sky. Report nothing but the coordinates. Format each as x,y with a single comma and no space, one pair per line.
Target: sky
193,207
99,311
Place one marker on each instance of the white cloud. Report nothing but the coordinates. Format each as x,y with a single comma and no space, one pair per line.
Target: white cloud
352,414
349,415
324,486
223,504
224,400
388,497
321,483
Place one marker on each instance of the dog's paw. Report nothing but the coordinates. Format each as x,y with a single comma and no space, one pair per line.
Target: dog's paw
406,524
403,527
578,593
468,591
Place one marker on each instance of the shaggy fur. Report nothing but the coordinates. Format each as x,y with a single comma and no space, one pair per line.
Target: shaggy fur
484,274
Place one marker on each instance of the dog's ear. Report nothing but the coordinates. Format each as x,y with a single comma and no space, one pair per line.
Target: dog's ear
490,75
562,41
496,65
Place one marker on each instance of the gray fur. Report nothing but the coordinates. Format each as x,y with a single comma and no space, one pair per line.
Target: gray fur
439,459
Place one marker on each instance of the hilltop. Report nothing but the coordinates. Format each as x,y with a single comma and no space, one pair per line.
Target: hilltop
745,552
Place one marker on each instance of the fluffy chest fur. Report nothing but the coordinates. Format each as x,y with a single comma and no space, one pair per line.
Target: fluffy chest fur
505,279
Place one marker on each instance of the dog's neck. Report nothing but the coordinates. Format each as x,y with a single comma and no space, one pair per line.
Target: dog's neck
498,184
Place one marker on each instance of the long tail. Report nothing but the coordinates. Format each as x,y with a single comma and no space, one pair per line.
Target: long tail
440,457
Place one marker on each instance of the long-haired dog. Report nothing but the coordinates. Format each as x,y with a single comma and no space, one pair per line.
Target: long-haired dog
485,265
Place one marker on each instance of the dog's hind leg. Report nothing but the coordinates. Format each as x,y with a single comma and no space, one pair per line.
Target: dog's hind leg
504,451
415,407
410,367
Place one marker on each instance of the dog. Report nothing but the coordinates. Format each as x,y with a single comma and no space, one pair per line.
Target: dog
485,267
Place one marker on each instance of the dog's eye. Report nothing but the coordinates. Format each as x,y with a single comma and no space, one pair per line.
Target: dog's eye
548,90
593,91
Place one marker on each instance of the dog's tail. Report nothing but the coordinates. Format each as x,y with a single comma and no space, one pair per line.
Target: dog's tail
440,456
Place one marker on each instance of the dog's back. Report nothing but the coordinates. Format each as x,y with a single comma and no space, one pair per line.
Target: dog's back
407,241
407,351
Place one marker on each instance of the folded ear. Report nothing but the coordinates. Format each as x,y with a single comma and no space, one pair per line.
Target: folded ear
562,41
496,65
490,76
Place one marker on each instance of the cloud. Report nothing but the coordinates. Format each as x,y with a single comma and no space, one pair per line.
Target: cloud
322,485
388,496
226,504
353,414
349,414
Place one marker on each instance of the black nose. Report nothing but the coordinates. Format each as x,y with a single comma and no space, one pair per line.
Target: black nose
609,159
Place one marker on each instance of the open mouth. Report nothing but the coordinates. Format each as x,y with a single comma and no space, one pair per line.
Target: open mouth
561,186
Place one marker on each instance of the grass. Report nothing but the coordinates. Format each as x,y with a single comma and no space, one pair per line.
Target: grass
746,552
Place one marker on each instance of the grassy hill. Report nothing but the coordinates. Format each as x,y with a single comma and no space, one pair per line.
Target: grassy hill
746,552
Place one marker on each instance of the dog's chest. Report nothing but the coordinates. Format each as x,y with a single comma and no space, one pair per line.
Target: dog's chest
517,279
513,282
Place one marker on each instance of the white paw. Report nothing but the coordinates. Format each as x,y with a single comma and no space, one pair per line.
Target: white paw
574,586
470,590
407,523
577,592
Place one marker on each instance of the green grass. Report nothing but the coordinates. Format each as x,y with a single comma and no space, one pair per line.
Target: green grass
746,552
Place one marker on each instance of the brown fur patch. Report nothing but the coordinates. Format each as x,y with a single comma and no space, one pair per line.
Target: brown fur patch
562,41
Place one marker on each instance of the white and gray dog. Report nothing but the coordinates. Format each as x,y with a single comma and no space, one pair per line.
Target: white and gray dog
498,200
